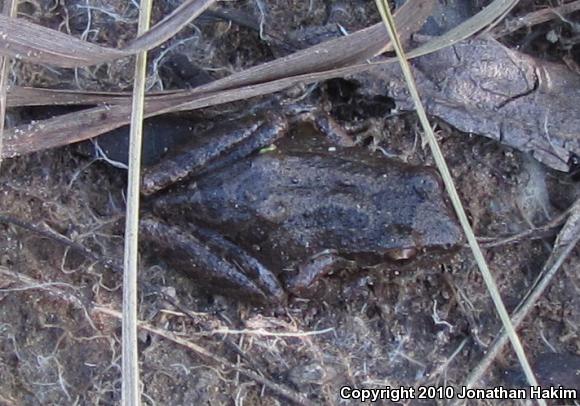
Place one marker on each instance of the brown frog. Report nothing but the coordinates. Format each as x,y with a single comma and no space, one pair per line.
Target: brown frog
243,217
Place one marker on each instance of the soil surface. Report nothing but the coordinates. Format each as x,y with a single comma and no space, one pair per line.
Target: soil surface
428,324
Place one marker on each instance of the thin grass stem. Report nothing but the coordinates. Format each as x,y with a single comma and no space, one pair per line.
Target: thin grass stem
130,365
387,17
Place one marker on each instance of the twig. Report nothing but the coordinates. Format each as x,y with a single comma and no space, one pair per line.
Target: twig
108,262
58,289
450,187
542,231
281,390
431,377
130,392
534,18
9,9
567,240
265,333
226,340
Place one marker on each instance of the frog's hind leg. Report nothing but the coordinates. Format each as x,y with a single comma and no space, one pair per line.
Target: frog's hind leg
323,122
315,267
230,142
213,260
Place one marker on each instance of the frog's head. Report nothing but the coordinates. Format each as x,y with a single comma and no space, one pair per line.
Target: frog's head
388,213
416,220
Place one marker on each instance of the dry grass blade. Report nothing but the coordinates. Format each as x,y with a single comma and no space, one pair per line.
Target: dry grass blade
131,394
33,96
486,17
9,9
567,239
24,40
355,48
89,123
451,190
299,66
169,26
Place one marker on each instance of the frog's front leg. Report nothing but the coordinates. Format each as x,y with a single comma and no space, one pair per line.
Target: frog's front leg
213,260
227,143
315,267
322,121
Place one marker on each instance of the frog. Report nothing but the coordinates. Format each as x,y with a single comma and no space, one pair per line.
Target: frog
258,213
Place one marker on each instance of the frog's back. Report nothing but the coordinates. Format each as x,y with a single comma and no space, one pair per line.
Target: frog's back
291,206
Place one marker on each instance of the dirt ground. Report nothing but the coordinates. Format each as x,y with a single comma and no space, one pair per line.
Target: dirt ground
428,325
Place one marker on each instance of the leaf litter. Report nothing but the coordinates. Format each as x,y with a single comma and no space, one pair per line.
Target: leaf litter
393,315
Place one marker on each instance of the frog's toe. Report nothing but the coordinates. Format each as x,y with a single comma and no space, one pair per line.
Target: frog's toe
245,264
315,267
216,262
